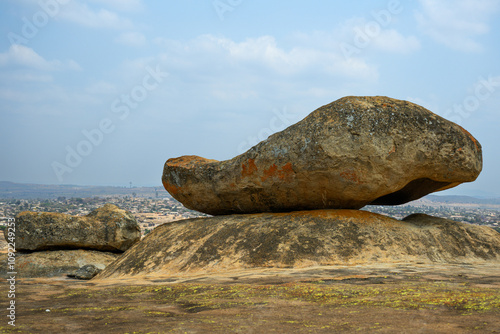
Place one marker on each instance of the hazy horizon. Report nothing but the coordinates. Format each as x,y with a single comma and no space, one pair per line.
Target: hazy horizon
103,92
160,187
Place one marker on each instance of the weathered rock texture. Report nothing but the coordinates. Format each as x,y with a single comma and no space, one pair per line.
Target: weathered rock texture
56,263
86,272
108,228
303,239
347,154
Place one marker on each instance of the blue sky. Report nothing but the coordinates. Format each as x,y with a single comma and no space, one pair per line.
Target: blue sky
103,92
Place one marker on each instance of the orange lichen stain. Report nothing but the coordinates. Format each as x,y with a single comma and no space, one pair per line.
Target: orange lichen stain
285,173
351,176
342,215
359,214
316,213
249,168
471,138
172,189
270,172
287,168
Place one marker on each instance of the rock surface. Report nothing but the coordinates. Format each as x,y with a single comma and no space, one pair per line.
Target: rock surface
56,263
347,154
303,239
108,228
86,272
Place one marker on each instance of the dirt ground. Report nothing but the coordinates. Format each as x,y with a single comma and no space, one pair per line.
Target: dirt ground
342,299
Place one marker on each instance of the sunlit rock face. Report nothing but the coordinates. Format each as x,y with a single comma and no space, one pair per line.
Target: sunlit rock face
347,154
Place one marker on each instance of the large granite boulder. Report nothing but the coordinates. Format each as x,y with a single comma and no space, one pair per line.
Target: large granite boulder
108,228
347,154
56,262
302,239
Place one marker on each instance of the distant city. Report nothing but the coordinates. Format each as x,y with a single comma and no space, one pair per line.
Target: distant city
149,212
456,211
153,206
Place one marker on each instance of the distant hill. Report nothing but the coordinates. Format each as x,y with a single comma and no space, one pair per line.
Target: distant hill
462,199
43,191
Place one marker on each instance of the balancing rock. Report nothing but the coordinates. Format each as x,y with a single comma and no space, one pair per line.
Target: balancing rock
347,154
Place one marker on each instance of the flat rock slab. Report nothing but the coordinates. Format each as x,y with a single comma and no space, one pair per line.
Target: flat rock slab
108,228
56,263
486,274
347,154
301,240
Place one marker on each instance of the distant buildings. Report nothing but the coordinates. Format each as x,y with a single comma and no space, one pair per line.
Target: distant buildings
152,211
149,212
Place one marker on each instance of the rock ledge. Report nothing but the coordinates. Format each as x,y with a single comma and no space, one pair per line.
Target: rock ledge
303,239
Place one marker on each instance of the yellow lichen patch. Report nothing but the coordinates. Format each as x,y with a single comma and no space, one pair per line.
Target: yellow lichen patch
188,161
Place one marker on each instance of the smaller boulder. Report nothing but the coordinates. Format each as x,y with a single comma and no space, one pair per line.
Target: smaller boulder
86,272
56,263
108,228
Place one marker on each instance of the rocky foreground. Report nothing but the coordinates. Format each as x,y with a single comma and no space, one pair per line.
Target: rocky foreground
385,298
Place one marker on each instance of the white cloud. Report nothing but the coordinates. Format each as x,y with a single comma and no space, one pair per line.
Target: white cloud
132,39
81,14
456,23
122,5
357,36
392,41
264,53
24,56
